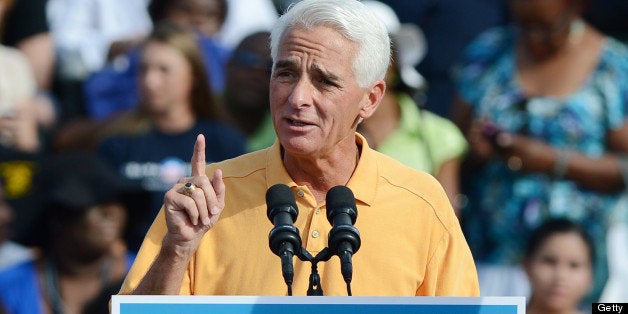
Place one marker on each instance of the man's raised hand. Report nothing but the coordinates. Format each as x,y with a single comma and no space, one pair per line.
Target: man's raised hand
193,205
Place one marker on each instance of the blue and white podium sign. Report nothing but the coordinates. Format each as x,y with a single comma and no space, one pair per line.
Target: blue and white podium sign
315,305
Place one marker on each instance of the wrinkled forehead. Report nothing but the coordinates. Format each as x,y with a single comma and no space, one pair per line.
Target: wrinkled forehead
318,37
320,45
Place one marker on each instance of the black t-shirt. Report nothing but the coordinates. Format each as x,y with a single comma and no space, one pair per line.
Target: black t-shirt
157,160
20,174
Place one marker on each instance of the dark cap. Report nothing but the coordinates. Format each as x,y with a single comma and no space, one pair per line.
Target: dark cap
77,181
71,183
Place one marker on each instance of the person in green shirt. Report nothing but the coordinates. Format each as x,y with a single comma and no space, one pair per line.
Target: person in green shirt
400,128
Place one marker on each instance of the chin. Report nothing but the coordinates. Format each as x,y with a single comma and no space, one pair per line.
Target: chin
559,304
297,144
541,53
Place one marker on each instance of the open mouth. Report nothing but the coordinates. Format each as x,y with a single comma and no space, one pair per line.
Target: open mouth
293,122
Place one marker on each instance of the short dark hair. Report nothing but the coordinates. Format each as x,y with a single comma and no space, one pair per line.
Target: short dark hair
158,9
558,225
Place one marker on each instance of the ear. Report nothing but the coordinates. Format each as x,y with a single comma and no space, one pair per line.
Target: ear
372,99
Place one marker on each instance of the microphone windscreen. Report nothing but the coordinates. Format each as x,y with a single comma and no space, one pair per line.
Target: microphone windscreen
338,197
280,195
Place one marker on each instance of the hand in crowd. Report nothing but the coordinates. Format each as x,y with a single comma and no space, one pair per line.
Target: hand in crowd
519,151
480,145
18,128
525,153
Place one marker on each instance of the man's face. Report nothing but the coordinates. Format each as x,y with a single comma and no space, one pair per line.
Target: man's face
314,97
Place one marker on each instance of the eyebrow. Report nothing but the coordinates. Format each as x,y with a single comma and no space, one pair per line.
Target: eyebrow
326,74
284,64
315,68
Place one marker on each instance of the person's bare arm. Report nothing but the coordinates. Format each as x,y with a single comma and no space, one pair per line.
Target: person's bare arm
602,174
449,177
40,52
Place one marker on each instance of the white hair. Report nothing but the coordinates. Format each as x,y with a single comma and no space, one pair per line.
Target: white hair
354,21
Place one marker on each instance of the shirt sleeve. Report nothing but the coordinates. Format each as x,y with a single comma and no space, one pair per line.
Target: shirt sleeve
450,270
476,61
445,140
611,82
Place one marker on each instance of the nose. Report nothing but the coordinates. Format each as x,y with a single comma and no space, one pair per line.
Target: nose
562,274
302,93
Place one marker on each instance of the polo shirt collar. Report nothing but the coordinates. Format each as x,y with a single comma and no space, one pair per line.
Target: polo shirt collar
362,183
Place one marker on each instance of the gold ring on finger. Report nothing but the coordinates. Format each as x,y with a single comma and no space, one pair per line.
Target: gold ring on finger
188,189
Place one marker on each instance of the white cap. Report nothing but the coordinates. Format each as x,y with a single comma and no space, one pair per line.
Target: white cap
384,13
410,43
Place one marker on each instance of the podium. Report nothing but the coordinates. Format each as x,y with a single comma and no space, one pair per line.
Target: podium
125,304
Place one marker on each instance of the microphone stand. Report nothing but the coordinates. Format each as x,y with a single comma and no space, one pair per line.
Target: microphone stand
314,288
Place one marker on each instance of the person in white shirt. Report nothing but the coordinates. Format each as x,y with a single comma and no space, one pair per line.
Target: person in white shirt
245,17
88,33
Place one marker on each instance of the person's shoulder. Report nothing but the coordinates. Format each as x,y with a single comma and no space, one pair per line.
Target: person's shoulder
496,34
435,120
12,54
413,180
15,61
117,142
482,53
616,45
616,53
19,288
440,128
413,183
489,44
16,273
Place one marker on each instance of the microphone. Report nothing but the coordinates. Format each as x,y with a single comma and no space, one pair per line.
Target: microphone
284,239
344,238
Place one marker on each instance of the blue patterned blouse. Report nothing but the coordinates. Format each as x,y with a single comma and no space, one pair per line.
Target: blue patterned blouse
505,205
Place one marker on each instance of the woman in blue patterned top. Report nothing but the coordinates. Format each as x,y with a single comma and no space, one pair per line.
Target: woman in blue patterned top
543,104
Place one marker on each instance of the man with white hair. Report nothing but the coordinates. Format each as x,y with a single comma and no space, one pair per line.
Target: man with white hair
329,62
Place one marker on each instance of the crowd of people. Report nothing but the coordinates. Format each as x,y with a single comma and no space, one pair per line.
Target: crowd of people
518,110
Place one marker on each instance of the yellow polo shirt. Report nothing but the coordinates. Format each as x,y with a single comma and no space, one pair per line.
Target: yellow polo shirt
412,243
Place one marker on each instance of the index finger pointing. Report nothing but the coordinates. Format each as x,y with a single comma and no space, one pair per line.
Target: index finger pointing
198,157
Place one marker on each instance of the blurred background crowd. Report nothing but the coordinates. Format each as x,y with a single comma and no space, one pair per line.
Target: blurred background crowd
518,108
